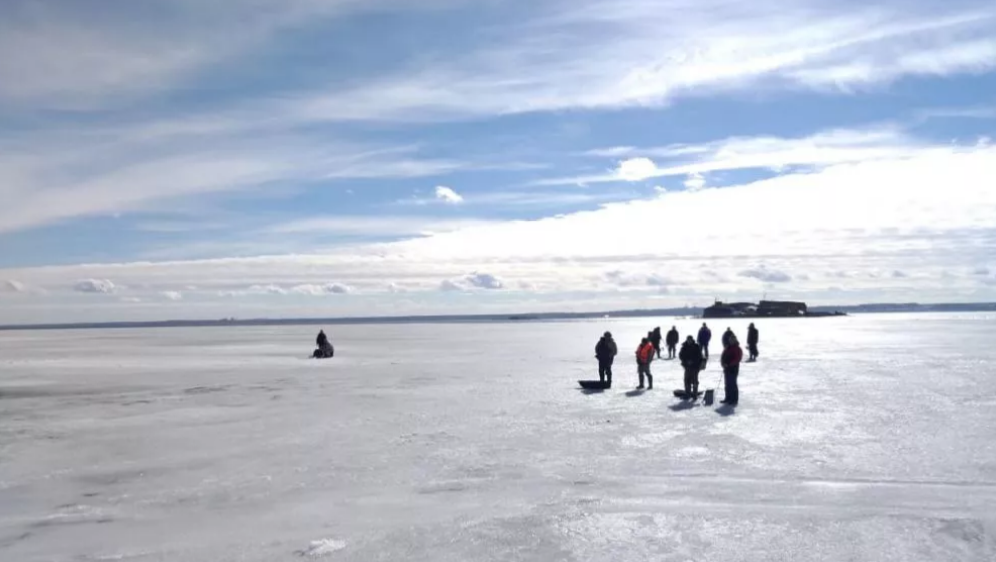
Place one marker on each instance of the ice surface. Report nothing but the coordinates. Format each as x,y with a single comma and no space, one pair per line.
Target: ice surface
867,438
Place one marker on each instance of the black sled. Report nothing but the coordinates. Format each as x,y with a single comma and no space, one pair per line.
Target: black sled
594,385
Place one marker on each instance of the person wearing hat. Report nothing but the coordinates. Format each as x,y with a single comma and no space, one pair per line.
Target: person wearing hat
655,338
325,349
672,342
691,360
727,335
752,337
644,356
730,361
705,336
605,352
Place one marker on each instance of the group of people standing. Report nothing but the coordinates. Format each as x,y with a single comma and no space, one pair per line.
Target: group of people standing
694,356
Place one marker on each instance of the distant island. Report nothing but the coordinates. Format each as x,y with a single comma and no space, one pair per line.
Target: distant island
688,312
765,309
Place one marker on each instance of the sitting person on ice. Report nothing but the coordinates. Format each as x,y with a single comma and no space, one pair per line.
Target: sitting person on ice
325,349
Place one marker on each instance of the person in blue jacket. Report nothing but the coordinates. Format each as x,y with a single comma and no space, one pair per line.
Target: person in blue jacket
705,334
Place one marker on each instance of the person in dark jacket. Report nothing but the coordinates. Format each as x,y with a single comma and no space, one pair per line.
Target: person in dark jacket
655,340
325,349
727,337
672,342
691,360
605,352
752,342
730,361
705,336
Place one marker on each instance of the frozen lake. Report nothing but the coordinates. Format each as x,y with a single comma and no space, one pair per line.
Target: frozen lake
867,438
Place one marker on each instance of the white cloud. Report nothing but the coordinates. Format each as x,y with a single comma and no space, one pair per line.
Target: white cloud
648,52
172,295
655,280
472,281
826,148
100,174
374,226
762,273
974,57
312,289
447,195
694,181
267,289
484,281
636,169
855,220
58,54
104,286
337,289
12,286
451,285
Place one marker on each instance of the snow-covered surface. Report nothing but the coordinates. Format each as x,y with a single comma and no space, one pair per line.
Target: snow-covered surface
868,438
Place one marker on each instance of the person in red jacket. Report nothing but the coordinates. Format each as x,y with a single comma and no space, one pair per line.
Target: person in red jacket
730,361
644,355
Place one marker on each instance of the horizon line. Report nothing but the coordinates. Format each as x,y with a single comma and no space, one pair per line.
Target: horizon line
510,316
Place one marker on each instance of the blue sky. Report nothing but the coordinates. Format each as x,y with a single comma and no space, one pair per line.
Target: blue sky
179,158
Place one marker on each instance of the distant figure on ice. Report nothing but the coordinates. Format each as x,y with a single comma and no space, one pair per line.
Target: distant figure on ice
672,342
728,336
655,340
691,361
605,352
752,342
705,335
730,361
325,349
644,355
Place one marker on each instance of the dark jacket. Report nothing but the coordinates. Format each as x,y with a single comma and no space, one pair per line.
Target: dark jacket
705,335
727,338
732,356
655,337
606,350
322,340
752,336
690,356
672,337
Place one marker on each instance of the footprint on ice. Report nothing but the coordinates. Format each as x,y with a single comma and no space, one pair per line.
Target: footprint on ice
322,547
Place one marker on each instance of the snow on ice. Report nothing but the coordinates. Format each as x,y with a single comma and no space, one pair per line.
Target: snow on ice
858,438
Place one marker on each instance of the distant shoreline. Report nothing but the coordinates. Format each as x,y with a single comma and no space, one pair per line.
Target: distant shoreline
695,312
